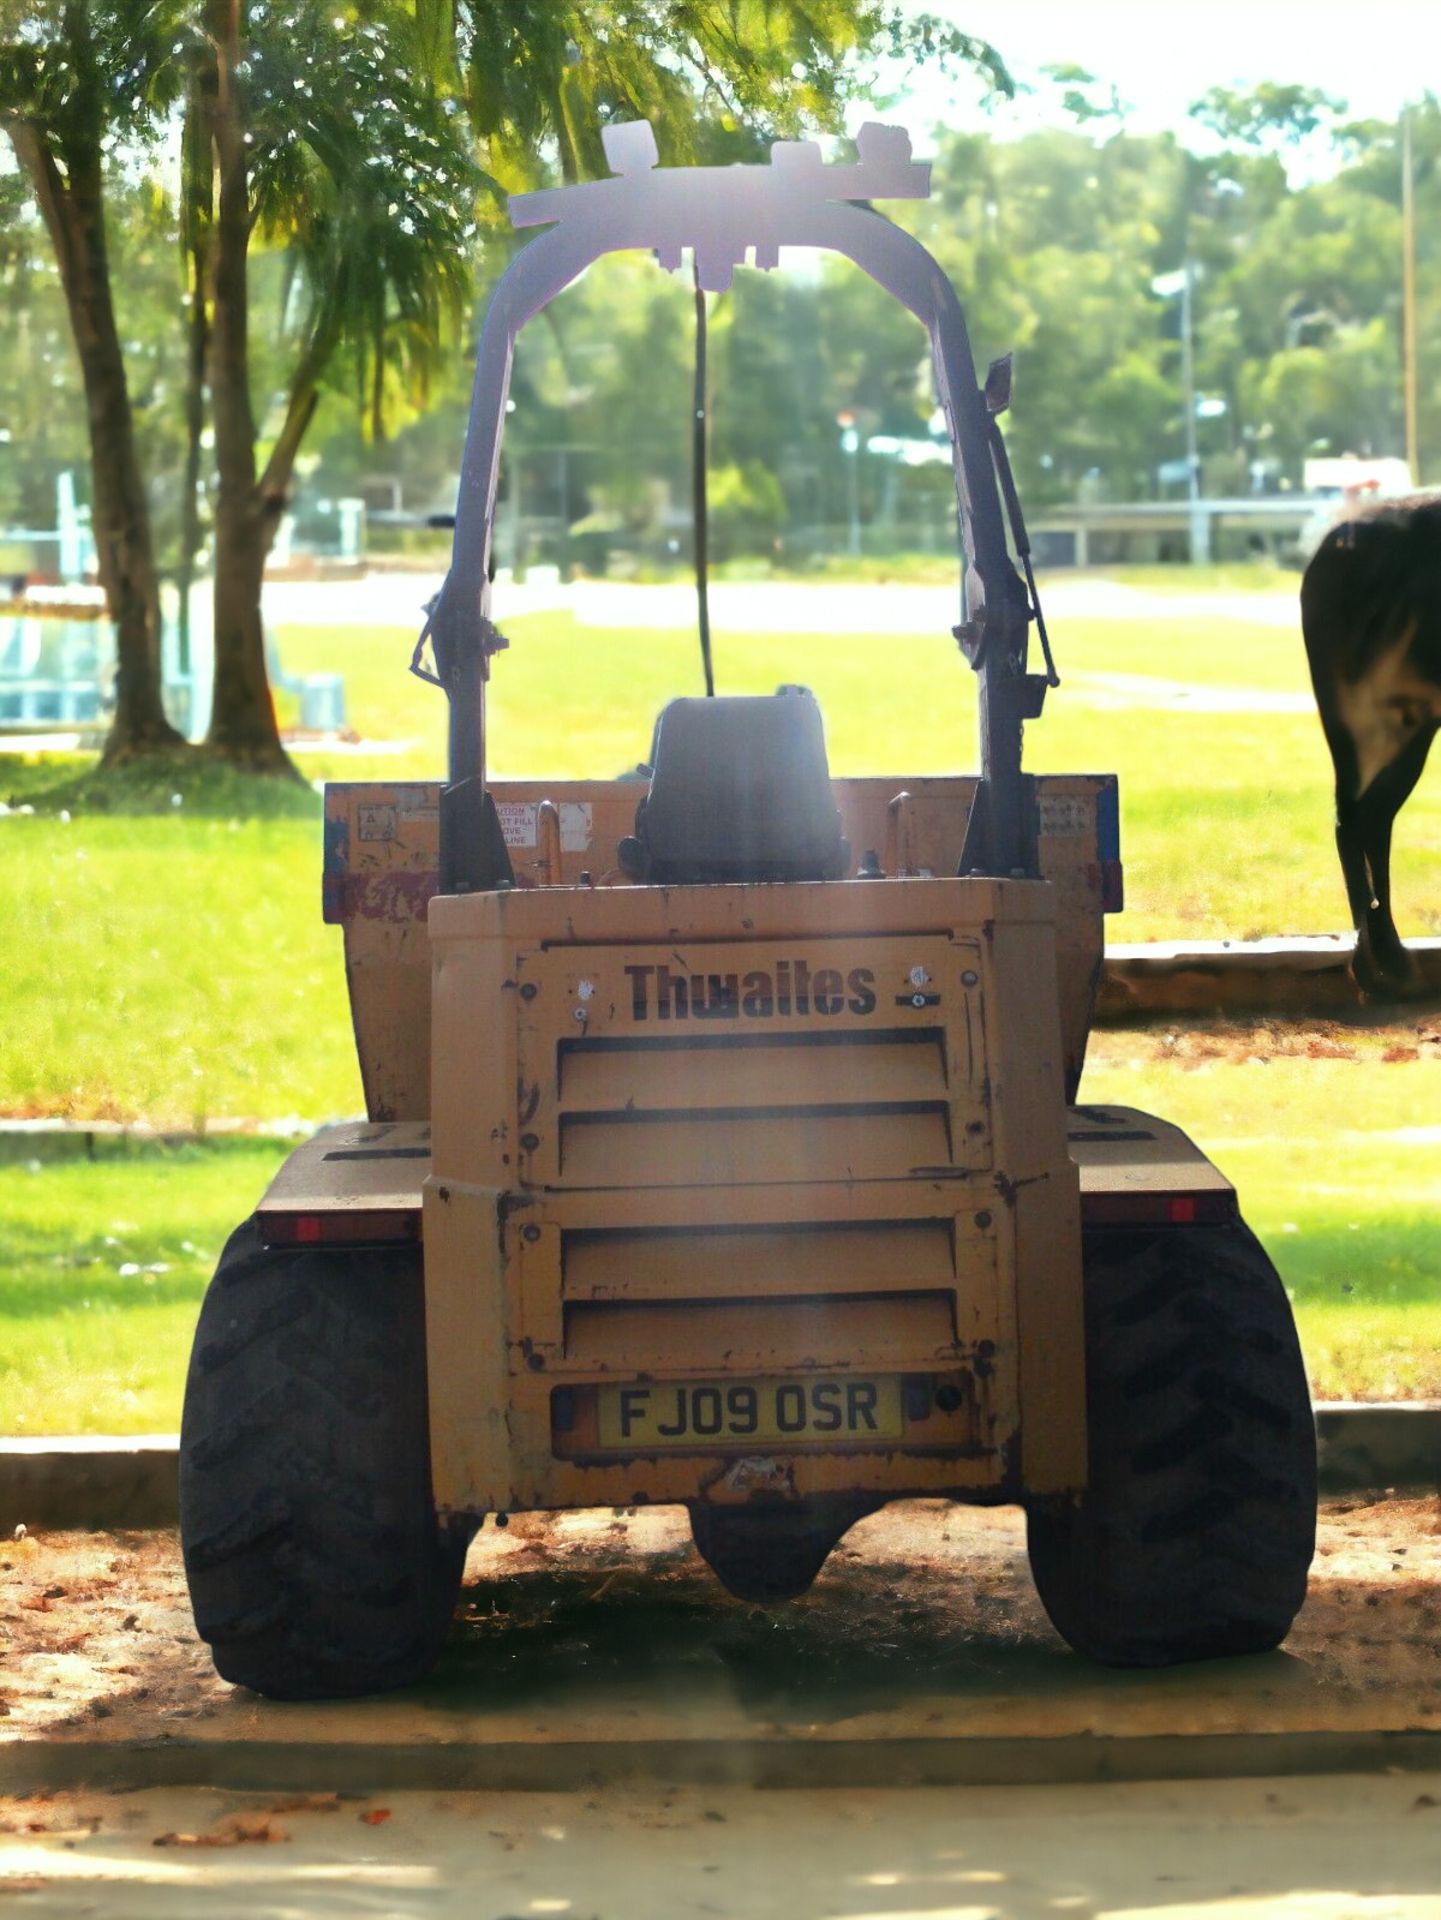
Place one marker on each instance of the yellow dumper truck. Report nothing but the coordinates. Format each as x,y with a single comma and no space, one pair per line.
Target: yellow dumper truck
721,1145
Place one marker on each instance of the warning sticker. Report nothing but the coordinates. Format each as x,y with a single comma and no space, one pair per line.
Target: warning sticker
518,823
1060,817
375,823
575,826
417,803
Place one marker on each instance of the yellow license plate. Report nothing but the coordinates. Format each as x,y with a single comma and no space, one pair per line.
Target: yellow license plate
839,1412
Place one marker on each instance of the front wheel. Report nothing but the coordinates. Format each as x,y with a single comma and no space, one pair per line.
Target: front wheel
315,1562
1195,1533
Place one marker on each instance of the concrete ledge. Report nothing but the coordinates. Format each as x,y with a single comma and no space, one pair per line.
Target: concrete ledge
1364,1444
118,1484
364,1766
92,1481
43,1140
1291,977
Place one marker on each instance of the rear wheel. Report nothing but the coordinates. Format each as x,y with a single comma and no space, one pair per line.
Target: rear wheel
1195,1534
316,1565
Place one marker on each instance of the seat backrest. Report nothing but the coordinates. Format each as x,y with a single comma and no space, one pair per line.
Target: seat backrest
740,789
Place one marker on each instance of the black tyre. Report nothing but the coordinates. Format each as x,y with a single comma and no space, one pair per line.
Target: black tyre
1196,1532
316,1565
766,1554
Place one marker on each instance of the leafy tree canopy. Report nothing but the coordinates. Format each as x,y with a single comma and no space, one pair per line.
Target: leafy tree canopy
1270,114
715,80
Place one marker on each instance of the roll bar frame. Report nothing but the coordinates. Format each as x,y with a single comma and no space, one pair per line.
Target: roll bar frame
719,213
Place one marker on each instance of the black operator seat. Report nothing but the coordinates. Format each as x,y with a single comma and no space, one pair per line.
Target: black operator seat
740,789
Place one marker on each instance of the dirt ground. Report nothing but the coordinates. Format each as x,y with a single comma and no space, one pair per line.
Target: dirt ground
1190,1041
925,1610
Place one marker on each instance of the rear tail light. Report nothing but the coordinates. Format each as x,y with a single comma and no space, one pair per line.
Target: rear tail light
1158,1209
354,1228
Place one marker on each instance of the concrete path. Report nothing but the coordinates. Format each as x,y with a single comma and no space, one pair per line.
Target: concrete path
764,606
1343,1848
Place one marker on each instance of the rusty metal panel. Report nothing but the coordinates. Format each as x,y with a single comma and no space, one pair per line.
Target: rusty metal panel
646,1150
467,1326
951,976
895,1066
382,853
752,1262
1121,1154
353,1167
728,1064
700,987
1129,1160
1041,1190
702,1336
380,872
563,1257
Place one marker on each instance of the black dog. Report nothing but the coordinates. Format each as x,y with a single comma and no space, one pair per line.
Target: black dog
1371,616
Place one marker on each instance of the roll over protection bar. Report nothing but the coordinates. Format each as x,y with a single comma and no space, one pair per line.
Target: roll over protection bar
719,214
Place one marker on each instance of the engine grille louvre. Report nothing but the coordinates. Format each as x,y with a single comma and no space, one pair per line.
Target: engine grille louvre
728,1070
747,1109
762,1144
626,1265
816,1332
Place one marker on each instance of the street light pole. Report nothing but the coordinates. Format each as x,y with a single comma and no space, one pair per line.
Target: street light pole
851,446
1200,530
1168,285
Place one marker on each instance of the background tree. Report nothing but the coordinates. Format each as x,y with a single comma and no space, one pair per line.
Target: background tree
75,80
714,80
322,137
1272,114
1054,240
41,414
336,136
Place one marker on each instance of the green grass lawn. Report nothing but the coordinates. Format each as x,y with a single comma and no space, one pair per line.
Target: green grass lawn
173,965
173,969
102,1266
164,959
1334,1160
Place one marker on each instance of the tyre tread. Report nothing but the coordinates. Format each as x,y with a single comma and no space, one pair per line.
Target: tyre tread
315,1562
1195,1535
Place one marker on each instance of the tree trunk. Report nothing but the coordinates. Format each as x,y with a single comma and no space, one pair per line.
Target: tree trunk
242,721
197,333
73,208
196,210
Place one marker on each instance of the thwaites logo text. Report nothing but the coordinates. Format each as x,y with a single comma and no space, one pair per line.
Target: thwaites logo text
791,987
